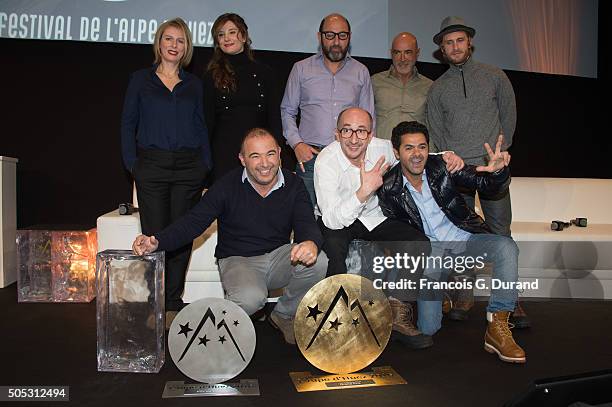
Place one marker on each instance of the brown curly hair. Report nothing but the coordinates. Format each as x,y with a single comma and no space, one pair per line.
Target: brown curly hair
219,66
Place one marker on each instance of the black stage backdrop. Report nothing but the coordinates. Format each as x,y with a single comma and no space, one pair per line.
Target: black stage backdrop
62,104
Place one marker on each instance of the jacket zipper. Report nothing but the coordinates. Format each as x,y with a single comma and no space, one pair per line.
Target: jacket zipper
463,80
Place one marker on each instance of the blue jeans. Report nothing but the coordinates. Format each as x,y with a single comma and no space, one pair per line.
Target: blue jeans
497,210
308,178
501,251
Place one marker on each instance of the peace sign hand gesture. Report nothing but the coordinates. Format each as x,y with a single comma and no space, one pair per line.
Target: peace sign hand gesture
371,180
498,159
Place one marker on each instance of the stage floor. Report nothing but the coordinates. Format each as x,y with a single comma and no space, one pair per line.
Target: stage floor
55,344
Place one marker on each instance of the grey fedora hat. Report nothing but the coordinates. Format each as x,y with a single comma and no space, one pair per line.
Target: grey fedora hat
451,24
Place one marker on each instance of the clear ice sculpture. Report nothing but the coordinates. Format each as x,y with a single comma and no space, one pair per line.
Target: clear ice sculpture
56,266
130,311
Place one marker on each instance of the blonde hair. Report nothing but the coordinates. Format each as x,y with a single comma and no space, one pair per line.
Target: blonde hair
181,25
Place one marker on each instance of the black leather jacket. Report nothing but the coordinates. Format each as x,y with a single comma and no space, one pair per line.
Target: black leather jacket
397,203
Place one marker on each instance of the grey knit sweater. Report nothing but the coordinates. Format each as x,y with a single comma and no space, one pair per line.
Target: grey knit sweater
470,105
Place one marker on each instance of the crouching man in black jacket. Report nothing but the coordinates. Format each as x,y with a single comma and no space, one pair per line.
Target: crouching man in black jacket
421,192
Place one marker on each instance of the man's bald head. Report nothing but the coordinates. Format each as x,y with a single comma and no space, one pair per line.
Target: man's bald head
404,54
360,114
334,17
403,39
354,133
256,132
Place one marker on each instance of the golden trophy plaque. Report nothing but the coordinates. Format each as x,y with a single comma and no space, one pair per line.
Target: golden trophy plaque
342,325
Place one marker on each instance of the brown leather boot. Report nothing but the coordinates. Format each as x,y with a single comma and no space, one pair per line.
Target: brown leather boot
447,303
170,315
284,325
519,317
498,338
463,303
403,327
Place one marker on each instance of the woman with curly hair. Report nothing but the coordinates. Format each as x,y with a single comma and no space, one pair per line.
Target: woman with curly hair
240,93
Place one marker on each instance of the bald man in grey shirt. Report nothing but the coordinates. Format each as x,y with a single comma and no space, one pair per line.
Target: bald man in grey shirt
400,93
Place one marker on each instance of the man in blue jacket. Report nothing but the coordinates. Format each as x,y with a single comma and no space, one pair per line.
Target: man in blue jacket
421,192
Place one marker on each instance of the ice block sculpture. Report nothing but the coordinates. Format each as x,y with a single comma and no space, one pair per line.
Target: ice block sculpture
34,266
130,311
360,257
56,266
73,260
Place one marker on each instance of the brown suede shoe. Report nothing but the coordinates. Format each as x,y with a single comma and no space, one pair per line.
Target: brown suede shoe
403,328
519,317
170,315
498,338
151,321
284,325
447,303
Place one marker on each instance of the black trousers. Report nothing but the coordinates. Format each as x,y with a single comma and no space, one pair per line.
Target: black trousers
337,240
169,183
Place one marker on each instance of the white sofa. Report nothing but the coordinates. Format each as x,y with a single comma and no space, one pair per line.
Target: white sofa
575,262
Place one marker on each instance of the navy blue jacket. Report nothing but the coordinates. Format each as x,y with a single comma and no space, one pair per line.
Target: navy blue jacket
247,223
155,118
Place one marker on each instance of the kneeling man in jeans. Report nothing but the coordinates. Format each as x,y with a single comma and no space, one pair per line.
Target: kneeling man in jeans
421,192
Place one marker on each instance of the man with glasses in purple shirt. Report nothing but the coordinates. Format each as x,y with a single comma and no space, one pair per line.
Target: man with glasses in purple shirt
319,88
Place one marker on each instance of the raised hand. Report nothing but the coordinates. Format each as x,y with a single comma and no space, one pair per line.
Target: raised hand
305,253
498,159
371,180
144,245
453,162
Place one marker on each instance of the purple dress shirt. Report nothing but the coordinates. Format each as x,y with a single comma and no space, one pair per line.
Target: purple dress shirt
320,96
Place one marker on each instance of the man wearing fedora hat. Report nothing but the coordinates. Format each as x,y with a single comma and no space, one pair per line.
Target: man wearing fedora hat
471,104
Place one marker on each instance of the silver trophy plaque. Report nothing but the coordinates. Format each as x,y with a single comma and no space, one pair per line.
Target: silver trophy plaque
211,340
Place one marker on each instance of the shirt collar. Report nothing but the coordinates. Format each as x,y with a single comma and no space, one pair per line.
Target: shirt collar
182,73
466,65
280,180
345,61
409,186
346,164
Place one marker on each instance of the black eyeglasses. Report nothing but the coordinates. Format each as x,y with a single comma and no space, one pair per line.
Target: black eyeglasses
330,35
347,132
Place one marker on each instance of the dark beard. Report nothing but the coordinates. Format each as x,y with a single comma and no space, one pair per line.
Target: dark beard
334,56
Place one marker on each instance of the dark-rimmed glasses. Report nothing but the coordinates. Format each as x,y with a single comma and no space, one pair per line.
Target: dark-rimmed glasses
330,35
347,132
